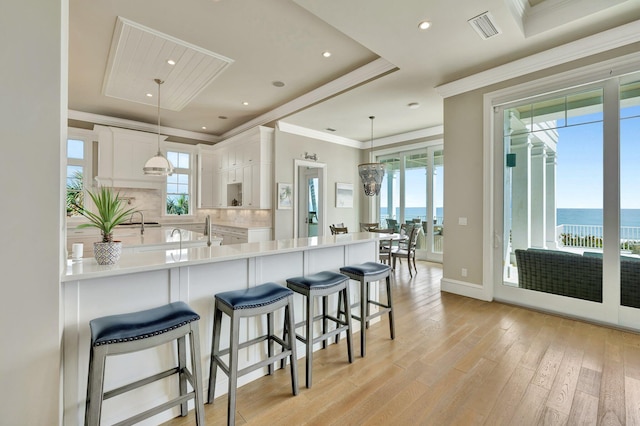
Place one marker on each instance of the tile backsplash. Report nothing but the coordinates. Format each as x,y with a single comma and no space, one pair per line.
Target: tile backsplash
150,202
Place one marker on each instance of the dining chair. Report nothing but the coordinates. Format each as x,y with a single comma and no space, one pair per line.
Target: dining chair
368,226
338,230
407,249
393,224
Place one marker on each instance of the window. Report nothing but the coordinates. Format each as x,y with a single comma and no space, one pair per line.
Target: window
77,171
412,193
179,183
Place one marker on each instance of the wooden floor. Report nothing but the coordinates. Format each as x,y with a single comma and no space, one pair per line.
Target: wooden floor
456,360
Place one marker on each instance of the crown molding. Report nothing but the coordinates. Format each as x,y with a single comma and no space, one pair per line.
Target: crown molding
316,134
377,143
597,43
138,125
365,73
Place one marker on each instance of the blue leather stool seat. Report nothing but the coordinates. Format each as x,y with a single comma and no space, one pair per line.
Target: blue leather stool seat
366,269
322,284
136,331
325,279
366,273
259,300
254,297
140,325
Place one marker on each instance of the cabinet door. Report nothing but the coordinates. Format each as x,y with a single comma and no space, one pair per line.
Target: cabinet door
222,185
206,180
251,153
248,199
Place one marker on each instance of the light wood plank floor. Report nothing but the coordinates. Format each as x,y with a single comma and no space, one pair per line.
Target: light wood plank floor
460,361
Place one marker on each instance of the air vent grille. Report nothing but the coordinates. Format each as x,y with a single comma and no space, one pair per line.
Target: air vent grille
485,25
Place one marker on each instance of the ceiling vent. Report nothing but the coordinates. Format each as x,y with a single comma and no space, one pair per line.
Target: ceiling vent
485,25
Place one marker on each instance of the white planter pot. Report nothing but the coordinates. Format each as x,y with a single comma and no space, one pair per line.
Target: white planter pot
107,253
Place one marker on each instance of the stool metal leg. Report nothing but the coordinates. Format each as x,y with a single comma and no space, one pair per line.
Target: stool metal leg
392,328
325,312
346,302
215,350
292,345
364,312
194,339
309,337
182,363
270,341
233,368
96,385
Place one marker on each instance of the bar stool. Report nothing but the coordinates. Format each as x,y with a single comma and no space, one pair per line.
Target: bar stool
321,284
262,299
136,331
366,273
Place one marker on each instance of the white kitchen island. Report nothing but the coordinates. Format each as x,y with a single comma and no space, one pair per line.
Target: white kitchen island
148,279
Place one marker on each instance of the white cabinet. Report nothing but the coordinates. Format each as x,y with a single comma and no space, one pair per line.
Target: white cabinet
243,168
209,186
122,154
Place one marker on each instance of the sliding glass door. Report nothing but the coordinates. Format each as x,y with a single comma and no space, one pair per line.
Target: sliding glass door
571,200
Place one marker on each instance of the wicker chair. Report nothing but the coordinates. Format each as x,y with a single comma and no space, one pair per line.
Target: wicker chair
557,272
368,226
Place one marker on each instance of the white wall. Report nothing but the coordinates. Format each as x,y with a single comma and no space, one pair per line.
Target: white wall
33,105
342,166
463,167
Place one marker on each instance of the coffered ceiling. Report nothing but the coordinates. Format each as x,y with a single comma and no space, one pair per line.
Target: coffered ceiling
240,63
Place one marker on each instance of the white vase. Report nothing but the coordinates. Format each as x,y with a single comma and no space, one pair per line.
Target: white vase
107,253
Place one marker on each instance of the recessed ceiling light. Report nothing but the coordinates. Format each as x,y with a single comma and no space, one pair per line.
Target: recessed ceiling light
171,62
245,103
329,129
424,25
326,53
150,95
278,83
414,105
204,127
222,117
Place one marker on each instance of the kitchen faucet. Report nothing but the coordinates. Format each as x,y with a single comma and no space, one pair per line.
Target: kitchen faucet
141,220
207,229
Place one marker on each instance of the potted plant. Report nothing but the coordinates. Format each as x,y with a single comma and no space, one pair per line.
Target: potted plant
110,212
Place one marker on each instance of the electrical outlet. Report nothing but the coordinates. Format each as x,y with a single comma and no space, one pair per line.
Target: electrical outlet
463,272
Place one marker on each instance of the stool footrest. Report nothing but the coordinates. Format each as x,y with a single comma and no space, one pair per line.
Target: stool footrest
157,409
139,383
253,342
264,363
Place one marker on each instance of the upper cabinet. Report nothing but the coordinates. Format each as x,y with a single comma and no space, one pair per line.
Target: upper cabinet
122,154
237,173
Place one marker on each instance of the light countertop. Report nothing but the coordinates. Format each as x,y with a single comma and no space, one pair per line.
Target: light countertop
162,259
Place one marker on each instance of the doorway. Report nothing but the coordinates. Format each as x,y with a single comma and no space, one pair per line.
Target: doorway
310,195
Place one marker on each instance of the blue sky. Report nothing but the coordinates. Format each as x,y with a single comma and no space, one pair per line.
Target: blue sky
579,174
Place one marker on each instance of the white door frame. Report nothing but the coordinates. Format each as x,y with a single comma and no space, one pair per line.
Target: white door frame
298,167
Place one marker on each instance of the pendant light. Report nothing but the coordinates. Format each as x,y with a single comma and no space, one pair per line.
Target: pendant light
371,174
158,165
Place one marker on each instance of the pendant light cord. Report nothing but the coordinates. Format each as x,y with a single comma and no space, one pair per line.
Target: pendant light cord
157,80
371,117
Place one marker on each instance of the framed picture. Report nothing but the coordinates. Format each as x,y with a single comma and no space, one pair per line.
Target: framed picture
344,195
285,195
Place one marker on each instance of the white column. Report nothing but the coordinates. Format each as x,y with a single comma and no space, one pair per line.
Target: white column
538,196
551,200
521,193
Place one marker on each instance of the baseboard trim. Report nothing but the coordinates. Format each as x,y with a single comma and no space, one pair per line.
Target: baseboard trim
466,289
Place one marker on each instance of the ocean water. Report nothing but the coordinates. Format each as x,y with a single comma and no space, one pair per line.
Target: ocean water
414,212
628,217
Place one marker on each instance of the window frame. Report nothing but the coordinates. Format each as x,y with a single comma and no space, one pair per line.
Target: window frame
88,137
191,172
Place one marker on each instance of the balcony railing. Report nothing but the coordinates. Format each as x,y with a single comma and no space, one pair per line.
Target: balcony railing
590,236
